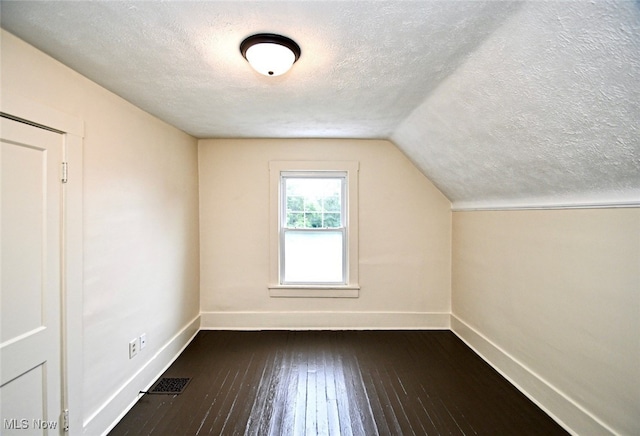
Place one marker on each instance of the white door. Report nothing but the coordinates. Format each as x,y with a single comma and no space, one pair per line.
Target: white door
30,297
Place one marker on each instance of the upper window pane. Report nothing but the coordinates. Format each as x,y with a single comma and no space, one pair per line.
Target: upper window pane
313,202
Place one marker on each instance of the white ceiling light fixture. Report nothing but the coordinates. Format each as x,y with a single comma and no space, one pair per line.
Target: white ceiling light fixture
270,54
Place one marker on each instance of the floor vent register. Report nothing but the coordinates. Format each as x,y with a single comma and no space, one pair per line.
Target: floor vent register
169,386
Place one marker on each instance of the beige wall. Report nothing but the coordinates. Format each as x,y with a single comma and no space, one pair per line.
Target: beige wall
404,229
558,292
141,271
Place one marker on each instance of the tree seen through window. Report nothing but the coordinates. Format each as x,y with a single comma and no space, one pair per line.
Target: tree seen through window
313,203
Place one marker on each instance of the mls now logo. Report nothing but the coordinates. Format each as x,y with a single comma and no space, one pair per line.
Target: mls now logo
24,424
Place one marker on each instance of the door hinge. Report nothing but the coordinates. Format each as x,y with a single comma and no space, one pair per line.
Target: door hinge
65,420
65,172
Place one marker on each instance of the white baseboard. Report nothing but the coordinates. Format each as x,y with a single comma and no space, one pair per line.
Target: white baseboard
575,419
324,320
117,406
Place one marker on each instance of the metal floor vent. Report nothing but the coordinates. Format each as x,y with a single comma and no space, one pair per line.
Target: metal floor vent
170,386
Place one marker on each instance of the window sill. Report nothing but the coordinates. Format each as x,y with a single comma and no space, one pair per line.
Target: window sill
314,291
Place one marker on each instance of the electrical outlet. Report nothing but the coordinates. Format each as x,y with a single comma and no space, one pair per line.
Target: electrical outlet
133,348
143,341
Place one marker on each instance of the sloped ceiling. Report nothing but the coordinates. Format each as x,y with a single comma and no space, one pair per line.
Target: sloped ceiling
545,112
498,103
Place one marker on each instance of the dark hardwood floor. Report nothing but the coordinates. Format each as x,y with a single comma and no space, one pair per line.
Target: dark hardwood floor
335,383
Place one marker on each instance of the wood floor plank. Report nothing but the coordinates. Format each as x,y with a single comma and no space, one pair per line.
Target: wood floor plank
347,383
331,382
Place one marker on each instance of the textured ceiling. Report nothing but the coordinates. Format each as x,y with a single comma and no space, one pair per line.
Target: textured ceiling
364,67
493,101
545,112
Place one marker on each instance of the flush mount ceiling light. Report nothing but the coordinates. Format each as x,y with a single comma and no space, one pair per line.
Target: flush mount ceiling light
269,54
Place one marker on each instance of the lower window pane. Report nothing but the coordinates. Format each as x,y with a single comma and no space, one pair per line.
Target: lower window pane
313,257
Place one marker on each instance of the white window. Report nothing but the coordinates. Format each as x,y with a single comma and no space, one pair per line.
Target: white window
314,229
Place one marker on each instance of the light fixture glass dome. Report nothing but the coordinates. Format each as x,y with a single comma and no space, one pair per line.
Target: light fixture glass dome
269,54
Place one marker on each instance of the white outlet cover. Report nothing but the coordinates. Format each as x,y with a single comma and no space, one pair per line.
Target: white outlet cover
133,348
143,341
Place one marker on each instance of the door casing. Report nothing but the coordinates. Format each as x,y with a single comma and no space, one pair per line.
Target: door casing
72,129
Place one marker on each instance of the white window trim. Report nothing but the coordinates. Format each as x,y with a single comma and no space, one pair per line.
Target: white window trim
352,288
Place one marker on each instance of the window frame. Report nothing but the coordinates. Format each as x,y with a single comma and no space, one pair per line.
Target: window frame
319,169
343,229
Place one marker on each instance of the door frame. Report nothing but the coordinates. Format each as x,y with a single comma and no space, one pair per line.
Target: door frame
71,315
